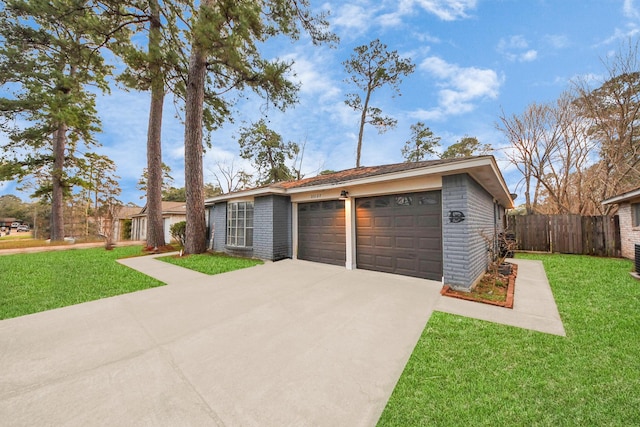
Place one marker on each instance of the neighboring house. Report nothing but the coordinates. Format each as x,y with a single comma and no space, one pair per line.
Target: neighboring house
123,214
426,219
6,222
629,214
111,225
172,212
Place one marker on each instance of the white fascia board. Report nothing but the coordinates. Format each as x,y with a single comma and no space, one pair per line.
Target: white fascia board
622,197
245,194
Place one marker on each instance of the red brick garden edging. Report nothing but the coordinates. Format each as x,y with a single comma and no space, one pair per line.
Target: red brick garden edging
508,303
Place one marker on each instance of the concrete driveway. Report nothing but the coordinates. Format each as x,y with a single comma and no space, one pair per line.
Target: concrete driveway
291,343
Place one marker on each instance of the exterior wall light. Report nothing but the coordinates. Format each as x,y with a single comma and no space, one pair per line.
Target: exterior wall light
456,217
344,195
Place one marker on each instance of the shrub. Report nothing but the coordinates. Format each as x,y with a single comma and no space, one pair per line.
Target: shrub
178,231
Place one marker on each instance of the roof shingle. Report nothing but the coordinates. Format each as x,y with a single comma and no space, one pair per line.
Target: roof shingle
361,172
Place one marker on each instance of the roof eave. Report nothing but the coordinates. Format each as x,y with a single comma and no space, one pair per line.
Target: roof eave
466,165
622,197
264,191
498,188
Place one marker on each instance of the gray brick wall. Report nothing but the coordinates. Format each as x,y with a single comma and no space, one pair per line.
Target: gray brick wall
218,219
465,253
455,236
263,227
271,229
281,228
482,228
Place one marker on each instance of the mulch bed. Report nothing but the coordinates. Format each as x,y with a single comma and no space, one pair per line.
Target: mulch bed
488,293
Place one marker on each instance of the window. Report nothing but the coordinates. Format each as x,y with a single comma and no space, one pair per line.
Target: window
428,199
382,202
240,224
404,200
635,214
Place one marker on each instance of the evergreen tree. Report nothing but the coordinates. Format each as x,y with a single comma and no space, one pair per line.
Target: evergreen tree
268,153
154,68
225,56
371,67
421,145
467,146
49,57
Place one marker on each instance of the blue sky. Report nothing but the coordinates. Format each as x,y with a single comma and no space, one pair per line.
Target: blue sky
474,59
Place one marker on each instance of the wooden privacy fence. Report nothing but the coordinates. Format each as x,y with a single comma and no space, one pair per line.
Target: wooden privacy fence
568,234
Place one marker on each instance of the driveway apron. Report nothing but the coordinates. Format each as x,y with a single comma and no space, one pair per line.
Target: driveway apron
290,343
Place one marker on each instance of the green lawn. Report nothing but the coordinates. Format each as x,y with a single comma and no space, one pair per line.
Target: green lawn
466,372
35,282
26,240
211,263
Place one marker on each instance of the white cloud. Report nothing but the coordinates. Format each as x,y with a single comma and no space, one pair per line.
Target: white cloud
460,88
629,9
513,42
629,32
390,19
314,79
357,17
353,17
447,10
516,48
529,55
557,41
427,38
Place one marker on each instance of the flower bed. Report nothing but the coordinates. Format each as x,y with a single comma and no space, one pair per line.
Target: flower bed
490,290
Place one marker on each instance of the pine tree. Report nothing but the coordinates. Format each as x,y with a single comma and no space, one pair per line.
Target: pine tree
268,153
225,56
371,67
49,57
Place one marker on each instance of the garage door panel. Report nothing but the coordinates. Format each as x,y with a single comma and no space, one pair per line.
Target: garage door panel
433,221
429,244
400,234
364,222
367,240
383,241
329,238
408,221
431,265
382,222
321,232
405,242
384,261
366,259
406,263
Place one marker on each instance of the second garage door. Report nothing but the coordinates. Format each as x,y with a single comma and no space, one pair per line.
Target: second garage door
321,232
401,234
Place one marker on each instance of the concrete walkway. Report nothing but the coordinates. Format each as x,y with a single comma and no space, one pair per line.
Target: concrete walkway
163,271
533,305
290,343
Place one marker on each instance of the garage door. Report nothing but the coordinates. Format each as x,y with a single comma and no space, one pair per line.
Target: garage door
321,234
401,234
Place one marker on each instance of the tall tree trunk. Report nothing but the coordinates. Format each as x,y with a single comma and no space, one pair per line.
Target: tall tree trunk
57,184
155,226
363,119
195,235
